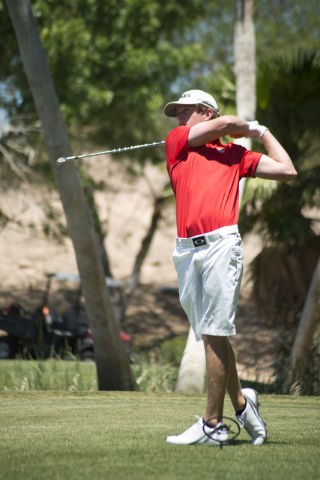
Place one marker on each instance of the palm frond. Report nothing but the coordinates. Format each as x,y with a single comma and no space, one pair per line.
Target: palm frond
258,189
221,85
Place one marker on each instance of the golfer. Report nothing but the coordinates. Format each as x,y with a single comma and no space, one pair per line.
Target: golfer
208,257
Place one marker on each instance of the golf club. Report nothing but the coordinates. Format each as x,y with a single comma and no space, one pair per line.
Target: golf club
64,159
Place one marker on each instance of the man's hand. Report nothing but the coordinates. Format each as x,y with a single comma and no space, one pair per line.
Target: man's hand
256,130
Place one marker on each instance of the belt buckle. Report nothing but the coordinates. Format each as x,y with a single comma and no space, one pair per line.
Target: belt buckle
199,241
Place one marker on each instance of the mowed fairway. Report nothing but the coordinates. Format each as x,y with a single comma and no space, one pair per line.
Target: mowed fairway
102,435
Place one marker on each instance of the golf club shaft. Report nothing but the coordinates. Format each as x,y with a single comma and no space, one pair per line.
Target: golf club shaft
64,159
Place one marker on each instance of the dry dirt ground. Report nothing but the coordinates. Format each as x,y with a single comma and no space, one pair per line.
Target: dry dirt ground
125,207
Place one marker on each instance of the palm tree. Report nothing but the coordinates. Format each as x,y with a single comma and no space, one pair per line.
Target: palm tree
244,48
304,337
288,91
113,367
289,102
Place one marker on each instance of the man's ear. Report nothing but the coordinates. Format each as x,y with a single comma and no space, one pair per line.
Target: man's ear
209,114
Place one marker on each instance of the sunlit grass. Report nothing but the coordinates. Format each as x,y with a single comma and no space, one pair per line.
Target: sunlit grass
79,435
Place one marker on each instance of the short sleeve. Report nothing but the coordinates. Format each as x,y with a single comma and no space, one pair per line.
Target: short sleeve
176,144
248,161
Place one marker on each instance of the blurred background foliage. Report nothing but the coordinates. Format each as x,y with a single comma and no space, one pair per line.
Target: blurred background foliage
111,62
115,65
288,96
288,102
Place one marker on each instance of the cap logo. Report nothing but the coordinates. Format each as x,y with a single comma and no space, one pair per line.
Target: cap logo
201,100
186,95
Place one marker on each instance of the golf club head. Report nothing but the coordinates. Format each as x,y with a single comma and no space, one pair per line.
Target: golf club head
61,160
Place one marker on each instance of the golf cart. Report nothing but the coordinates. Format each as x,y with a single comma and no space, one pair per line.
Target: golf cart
43,333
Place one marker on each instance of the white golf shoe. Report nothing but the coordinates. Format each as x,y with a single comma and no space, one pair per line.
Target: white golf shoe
195,435
250,418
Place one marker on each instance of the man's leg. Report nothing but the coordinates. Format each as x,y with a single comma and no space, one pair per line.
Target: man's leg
218,366
233,383
221,375
217,356
246,404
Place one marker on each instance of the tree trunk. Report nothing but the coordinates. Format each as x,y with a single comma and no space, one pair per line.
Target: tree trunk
244,59
156,216
244,68
309,321
113,366
99,231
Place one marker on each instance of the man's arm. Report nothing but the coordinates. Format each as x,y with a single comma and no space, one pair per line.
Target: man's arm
277,165
209,131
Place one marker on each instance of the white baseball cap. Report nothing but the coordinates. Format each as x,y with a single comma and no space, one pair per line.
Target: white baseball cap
192,97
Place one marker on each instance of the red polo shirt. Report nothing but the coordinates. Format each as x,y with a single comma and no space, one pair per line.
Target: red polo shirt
205,181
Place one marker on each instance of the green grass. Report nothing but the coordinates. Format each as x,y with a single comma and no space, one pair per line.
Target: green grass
121,435
32,375
25,375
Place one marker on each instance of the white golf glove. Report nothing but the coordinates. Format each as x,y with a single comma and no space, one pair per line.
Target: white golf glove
256,130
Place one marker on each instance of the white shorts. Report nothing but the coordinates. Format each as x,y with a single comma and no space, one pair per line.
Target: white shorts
209,278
